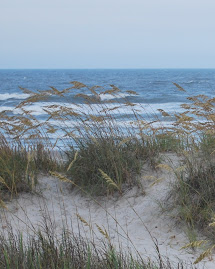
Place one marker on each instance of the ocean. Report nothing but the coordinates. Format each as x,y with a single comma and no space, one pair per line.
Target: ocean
154,87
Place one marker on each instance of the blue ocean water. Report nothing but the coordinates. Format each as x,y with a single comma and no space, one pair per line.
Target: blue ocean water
154,86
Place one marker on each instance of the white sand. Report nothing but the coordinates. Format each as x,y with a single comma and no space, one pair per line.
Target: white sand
57,203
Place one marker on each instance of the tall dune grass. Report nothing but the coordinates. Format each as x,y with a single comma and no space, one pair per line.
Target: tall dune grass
193,193
95,135
43,250
95,145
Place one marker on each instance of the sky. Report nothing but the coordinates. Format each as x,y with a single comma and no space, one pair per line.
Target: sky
107,34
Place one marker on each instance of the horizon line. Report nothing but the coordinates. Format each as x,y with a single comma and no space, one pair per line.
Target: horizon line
115,68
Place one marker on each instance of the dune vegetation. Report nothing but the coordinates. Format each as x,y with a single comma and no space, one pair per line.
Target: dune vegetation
101,155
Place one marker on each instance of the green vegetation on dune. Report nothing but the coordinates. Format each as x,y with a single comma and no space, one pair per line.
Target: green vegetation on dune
101,154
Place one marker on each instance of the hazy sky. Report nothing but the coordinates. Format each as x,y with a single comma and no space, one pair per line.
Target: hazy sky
107,34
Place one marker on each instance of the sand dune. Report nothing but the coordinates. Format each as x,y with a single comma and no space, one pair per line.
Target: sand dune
135,216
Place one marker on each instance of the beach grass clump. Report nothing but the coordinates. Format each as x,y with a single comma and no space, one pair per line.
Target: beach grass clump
194,189
46,159
121,159
207,144
195,192
20,165
17,167
45,250
169,142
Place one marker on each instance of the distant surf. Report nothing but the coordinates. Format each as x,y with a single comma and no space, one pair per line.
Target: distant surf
19,96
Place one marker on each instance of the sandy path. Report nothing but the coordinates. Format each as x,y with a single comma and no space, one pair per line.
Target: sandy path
134,211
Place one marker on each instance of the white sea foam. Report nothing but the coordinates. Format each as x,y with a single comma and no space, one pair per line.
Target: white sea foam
6,96
2,108
37,109
104,97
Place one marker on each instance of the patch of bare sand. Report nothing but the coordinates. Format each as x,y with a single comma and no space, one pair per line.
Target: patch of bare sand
134,216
